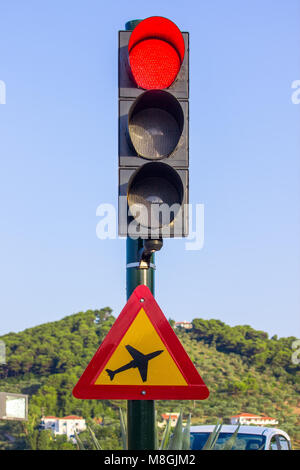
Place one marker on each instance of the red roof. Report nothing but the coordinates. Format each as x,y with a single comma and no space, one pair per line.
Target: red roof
170,415
249,415
266,417
49,417
72,417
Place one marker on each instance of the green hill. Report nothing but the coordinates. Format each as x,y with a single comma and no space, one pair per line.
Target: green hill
244,369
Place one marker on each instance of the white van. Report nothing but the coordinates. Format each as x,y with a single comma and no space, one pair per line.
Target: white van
248,437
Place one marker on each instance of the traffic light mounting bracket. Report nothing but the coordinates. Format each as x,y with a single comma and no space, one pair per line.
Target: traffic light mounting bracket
149,248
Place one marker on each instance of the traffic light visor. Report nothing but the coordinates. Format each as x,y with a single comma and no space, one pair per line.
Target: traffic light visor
156,51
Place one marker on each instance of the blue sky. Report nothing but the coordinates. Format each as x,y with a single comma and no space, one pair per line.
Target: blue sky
58,153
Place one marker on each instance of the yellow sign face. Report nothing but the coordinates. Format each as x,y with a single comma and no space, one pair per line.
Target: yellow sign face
141,358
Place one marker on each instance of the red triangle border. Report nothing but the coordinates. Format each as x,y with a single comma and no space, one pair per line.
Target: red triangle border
141,298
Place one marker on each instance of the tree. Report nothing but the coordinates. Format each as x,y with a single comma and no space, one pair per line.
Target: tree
44,440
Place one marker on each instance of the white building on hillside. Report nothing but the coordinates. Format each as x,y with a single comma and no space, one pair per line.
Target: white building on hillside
184,324
64,426
173,419
248,418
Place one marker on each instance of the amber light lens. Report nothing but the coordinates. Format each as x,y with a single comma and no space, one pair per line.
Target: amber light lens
155,124
156,51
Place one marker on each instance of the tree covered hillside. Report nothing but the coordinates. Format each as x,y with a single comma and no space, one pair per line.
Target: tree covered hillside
244,369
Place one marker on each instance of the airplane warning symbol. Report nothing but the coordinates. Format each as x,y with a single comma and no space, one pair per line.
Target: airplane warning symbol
140,361
141,358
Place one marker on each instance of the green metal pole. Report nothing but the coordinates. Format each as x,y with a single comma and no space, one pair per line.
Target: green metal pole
136,276
140,413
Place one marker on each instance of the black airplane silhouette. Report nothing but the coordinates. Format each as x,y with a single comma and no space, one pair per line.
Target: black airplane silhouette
140,361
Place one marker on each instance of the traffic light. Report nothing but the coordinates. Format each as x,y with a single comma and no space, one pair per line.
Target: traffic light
153,130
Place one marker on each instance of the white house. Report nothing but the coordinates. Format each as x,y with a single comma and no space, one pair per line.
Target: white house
66,425
49,422
183,324
248,418
173,418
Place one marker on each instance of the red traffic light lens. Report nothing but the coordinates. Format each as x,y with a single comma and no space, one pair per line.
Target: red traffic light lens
154,64
156,51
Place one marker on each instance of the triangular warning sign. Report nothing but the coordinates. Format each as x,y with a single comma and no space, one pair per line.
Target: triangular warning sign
141,358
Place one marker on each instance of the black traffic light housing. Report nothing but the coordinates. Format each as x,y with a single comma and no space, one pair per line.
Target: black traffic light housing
153,146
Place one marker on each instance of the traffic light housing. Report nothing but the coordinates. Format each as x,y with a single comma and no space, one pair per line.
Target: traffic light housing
153,130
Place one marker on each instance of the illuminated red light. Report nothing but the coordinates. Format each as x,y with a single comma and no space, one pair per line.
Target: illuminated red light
156,51
154,64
